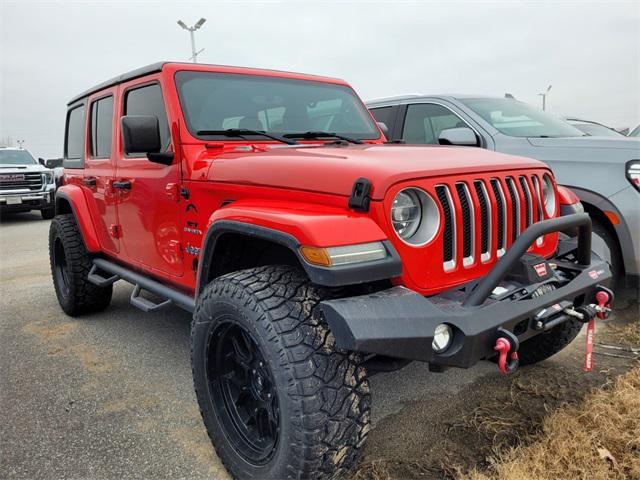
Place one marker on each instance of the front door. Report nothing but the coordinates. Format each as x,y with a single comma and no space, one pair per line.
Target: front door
148,208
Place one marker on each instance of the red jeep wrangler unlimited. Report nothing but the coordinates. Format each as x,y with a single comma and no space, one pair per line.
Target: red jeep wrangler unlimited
310,253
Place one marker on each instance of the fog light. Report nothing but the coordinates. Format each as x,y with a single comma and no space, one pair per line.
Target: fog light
442,338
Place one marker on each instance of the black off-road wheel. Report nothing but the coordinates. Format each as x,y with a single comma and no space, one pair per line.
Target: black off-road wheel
70,266
279,401
549,343
48,213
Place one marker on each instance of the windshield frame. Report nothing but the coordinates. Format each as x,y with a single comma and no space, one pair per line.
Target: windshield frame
471,104
375,135
24,153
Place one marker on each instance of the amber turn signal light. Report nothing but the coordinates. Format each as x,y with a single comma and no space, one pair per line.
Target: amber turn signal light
316,256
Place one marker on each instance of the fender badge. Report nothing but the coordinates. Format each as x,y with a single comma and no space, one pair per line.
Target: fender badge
191,250
541,269
593,274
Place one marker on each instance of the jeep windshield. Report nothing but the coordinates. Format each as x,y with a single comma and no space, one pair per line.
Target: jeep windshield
288,108
517,119
16,157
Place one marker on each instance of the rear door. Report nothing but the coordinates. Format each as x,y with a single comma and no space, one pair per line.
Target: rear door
148,207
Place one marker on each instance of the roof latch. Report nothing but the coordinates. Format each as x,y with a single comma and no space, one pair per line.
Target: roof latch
359,199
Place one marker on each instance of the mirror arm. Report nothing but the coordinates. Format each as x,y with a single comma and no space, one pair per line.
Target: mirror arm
163,158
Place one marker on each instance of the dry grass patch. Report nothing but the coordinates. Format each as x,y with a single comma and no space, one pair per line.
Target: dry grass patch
597,439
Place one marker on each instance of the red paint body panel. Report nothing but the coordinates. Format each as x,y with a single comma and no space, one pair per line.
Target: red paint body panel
301,190
566,196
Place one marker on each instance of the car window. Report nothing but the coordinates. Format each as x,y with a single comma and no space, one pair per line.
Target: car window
595,129
101,127
219,101
635,132
74,145
424,122
384,115
517,119
16,157
148,100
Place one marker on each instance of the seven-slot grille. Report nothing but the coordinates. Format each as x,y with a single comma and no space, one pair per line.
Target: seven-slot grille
31,181
516,201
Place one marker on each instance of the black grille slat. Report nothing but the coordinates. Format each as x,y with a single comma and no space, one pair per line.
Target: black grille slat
497,192
447,234
528,206
515,205
484,217
466,221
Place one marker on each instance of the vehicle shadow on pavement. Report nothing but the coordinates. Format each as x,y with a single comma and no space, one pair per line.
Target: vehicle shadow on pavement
17,218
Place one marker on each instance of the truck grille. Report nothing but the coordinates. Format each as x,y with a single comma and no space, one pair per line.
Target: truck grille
31,181
506,206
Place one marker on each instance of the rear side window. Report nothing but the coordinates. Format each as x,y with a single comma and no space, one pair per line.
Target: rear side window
147,100
101,127
74,137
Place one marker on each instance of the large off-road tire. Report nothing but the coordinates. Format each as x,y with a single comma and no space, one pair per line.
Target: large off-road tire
70,265
279,401
610,251
549,343
48,213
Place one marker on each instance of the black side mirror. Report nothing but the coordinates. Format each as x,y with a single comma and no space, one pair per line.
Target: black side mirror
52,162
458,136
141,134
41,161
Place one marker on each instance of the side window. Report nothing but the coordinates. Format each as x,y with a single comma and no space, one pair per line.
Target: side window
147,100
101,127
74,138
385,115
424,122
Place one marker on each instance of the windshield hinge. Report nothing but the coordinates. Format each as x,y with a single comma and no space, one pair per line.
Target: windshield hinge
359,199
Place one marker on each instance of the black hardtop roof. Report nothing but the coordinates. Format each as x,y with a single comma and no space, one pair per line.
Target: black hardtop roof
138,72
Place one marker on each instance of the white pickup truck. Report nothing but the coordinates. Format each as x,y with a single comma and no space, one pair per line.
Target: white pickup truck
25,184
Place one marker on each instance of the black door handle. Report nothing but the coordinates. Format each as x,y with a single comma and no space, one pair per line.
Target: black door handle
89,181
124,185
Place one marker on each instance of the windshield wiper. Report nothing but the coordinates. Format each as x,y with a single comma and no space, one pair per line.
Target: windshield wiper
311,135
241,132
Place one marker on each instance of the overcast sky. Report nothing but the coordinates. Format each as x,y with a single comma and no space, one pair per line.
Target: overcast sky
589,51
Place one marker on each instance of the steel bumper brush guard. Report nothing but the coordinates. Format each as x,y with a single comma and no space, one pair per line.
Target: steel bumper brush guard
523,296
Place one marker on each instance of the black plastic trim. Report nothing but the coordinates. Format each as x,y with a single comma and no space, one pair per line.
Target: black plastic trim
337,276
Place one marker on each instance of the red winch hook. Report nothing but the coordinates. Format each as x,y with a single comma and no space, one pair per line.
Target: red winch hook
507,363
604,299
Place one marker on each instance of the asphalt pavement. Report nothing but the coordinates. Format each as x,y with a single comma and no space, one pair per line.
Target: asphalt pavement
110,395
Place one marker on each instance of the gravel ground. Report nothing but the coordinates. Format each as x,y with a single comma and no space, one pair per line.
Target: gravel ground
110,395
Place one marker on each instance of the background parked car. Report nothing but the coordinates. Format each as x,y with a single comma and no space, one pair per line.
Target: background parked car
593,129
603,172
25,184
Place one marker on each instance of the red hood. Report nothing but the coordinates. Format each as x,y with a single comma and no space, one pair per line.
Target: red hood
334,169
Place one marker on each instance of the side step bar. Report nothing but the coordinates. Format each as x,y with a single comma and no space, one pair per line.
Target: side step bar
140,282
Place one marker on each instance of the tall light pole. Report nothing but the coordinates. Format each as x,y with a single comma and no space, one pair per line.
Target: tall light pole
544,97
191,30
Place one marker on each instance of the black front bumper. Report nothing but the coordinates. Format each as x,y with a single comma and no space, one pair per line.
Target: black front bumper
400,323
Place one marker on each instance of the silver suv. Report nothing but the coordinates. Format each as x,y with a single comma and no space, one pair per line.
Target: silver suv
603,172
25,184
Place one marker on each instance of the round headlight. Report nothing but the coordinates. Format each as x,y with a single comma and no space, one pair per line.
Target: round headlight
442,337
406,213
549,196
415,216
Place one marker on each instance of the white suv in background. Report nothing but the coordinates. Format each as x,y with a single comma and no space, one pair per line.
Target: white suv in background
25,184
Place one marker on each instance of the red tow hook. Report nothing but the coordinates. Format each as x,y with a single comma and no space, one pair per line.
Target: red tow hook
604,299
507,342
